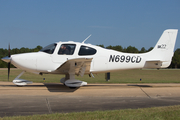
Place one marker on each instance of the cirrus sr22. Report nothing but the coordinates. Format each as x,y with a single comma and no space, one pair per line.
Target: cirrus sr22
74,58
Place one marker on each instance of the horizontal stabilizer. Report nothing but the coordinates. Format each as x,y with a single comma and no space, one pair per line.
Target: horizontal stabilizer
157,64
155,61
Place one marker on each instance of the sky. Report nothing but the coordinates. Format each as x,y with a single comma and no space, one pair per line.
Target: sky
139,23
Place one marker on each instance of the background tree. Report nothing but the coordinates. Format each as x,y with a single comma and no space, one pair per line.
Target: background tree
131,49
143,50
109,47
150,49
38,48
101,46
118,48
176,59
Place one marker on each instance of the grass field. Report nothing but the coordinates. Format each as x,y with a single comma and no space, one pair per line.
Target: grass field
156,113
126,76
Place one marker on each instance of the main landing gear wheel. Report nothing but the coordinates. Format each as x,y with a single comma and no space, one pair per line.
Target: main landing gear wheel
73,83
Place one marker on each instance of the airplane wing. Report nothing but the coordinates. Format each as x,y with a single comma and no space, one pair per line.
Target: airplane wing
78,66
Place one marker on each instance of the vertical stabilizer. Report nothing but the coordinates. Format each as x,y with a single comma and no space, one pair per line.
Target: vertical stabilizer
164,49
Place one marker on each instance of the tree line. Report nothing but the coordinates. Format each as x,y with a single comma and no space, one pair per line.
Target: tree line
130,49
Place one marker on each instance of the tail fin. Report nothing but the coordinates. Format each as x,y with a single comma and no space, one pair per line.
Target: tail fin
163,51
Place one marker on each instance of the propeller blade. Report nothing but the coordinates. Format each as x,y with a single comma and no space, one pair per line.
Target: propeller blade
8,60
9,63
9,51
9,70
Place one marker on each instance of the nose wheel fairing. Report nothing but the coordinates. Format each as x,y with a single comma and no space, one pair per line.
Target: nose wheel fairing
21,82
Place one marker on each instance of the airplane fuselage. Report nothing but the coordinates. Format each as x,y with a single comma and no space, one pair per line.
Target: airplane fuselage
104,60
74,58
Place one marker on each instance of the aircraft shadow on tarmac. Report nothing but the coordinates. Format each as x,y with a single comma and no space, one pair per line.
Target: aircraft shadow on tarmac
118,85
55,87
8,86
140,85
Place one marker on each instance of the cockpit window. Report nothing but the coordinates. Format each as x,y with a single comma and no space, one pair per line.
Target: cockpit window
84,50
67,49
49,49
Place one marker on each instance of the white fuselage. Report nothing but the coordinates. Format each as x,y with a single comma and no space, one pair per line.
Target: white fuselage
104,60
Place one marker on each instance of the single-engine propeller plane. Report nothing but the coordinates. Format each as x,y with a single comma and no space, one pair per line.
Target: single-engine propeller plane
74,58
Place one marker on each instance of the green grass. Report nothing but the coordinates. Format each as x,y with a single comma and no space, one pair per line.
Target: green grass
126,76
155,113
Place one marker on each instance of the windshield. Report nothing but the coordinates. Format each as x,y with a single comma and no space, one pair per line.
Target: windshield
49,49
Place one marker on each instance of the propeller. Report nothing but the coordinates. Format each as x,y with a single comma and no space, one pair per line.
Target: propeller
8,60
9,63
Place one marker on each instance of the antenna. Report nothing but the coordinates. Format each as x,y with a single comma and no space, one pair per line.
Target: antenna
86,38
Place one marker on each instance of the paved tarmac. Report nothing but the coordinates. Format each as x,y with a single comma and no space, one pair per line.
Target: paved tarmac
45,98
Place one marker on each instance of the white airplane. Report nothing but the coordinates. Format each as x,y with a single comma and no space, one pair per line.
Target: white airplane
74,58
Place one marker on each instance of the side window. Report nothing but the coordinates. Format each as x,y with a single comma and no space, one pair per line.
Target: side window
84,50
67,49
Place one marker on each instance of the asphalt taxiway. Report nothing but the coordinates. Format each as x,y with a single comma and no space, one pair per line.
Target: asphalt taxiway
44,98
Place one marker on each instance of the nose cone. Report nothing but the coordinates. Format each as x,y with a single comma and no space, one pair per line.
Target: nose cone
6,59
